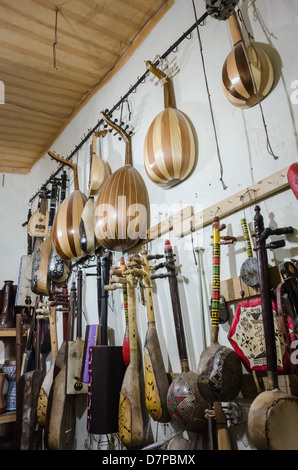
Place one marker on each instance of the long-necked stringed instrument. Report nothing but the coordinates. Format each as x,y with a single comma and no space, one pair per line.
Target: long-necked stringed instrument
99,172
169,148
156,379
106,370
273,415
247,73
131,419
122,211
219,369
249,269
39,221
185,404
67,219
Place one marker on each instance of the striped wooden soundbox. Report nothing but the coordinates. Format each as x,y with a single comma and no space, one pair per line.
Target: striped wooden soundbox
66,226
247,73
169,149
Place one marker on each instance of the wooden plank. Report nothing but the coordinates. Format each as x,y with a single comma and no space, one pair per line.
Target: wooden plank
244,198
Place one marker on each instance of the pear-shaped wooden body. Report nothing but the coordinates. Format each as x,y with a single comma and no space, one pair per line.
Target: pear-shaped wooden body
247,73
122,210
66,237
169,148
100,170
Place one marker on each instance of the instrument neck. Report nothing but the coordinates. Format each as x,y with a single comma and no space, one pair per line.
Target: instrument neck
128,153
167,94
235,29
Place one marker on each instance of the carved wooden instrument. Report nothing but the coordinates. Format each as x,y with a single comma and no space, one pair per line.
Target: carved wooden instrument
48,379
61,418
249,269
75,350
58,268
169,149
156,379
100,170
220,9
273,415
223,438
40,282
247,73
67,219
106,370
184,401
289,274
219,369
292,176
28,433
122,211
125,345
38,223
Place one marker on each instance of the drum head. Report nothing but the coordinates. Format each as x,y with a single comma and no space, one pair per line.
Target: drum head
249,272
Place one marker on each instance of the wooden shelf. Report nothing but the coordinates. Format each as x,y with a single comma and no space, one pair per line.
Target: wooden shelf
5,332
8,417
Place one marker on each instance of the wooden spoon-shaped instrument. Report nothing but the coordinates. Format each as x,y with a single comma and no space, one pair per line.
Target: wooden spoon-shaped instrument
131,421
273,416
67,219
169,149
185,403
156,379
122,211
219,370
247,73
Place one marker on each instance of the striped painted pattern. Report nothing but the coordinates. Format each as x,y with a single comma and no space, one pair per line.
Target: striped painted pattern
169,148
124,188
66,225
215,278
246,238
239,86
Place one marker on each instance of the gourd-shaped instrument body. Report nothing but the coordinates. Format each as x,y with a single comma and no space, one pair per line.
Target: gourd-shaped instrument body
169,148
66,237
122,211
247,73
219,370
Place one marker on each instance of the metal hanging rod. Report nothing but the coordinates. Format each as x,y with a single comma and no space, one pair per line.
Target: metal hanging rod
123,98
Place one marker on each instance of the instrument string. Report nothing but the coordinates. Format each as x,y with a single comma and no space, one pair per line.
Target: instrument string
250,38
209,99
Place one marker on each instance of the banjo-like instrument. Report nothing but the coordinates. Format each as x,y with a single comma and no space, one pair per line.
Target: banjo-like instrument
169,148
185,404
273,415
219,369
67,219
122,211
249,269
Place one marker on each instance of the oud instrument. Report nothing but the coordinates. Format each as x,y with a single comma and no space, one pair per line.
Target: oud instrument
185,404
219,369
122,211
247,73
169,148
273,415
66,224
99,172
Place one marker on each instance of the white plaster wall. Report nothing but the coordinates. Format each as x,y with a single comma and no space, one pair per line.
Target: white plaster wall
244,155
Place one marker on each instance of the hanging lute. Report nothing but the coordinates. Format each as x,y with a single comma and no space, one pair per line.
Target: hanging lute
169,149
67,219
